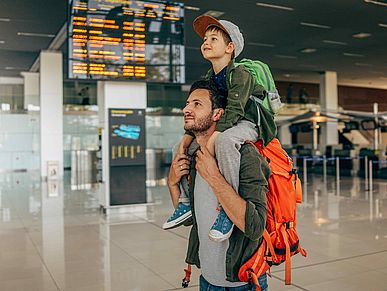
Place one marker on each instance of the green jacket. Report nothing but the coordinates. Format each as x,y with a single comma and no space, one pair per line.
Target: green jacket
253,186
241,85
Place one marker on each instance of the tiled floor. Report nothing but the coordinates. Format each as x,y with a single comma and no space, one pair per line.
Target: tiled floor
62,242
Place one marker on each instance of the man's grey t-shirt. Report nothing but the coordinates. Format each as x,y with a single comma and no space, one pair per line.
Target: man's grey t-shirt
212,254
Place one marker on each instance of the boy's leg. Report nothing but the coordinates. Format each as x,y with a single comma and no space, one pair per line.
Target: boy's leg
227,146
183,210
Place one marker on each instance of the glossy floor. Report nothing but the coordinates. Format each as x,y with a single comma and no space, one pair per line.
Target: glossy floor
56,239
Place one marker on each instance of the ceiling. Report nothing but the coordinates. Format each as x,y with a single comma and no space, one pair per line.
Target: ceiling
275,36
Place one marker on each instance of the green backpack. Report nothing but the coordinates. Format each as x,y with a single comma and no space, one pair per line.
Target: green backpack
262,75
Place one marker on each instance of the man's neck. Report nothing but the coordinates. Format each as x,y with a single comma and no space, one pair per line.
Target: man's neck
203,137
219,64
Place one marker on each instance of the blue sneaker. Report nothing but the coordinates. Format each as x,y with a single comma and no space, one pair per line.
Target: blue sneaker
222,227
182,214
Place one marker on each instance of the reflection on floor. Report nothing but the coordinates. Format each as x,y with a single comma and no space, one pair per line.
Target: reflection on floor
56,239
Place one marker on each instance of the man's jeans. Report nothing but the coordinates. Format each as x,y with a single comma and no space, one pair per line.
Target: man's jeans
205,286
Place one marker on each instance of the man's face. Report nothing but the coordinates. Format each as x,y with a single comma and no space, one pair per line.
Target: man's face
214,46
198,113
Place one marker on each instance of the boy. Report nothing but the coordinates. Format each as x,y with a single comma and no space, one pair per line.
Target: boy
243,119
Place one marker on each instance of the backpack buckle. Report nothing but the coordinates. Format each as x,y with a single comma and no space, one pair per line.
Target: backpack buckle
288,224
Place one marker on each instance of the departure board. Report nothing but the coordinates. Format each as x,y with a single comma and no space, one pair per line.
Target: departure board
126,40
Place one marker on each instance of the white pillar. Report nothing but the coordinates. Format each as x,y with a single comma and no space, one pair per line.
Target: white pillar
31,89
329,102
51,110
284,135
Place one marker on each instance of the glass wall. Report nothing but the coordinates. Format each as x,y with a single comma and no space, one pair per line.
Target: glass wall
19,141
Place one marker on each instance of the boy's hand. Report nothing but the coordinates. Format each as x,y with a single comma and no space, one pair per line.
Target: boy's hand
179,168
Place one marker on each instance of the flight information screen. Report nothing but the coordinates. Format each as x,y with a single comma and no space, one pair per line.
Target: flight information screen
126,40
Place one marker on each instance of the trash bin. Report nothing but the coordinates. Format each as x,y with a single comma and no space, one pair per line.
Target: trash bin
83,169
155,167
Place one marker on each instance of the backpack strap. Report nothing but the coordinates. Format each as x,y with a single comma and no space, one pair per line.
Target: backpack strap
187,277
287,260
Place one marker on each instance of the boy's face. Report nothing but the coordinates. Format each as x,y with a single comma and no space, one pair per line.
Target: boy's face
214,46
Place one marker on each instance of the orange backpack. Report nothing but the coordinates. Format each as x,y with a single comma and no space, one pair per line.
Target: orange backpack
280,238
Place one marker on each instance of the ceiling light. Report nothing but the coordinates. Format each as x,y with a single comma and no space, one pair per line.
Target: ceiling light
214,13
361,35
15,69
5,19
382,25
2,41
315,25
35,34
268,5
377,2
334,42
363,65
353,55
261,44
193,8
285,57
308,50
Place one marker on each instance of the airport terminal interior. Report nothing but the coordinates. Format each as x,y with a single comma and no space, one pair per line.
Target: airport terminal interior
91,105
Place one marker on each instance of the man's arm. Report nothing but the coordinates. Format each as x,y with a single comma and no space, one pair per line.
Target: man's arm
231,202
179,168
247,209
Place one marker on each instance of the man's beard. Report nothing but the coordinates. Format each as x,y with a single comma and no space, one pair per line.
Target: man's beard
200,126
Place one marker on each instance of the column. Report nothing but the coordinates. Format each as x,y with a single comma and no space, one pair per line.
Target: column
328,102
51,111
31,89
284,134
115,95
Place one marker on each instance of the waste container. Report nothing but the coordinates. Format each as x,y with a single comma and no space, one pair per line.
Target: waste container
83,169
155,167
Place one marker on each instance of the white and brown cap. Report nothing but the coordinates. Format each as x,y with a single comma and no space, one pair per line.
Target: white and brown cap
203,22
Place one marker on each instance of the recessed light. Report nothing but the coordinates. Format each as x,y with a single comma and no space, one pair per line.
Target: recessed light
361,35
377,2
268,5
5,19
315,25
261,44
334,42
363,65
214,13
35,34
353,55
383,25
285,57
308,50
2,41
193,8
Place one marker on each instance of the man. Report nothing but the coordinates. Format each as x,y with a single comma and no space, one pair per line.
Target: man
219,261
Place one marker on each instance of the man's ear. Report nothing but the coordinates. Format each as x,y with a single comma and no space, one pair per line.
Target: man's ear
217,114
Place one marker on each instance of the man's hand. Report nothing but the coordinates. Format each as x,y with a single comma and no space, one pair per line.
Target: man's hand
206,164
179,168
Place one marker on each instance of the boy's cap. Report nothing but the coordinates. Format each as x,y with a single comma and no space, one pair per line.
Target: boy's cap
202,23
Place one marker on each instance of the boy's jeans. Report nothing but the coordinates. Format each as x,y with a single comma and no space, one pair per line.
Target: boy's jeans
205,286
